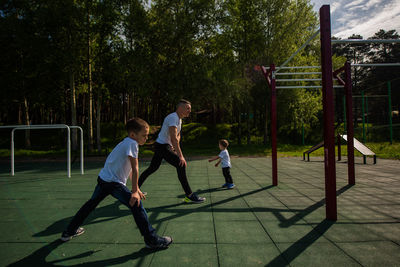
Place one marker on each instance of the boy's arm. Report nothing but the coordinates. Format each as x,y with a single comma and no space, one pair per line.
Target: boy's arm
218,162
214,158
173,133
136,193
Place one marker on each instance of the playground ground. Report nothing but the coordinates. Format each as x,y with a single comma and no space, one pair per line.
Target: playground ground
254,224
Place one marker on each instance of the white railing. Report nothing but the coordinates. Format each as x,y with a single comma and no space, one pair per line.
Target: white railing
47,126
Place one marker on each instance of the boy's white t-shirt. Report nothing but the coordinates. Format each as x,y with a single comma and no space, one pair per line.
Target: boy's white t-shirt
171,120
225,160
118,166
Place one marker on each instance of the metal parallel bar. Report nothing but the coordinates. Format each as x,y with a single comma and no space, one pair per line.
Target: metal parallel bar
368,96
328,109
361,41
298,50
306,87
376,65
297,73
299,67
297,80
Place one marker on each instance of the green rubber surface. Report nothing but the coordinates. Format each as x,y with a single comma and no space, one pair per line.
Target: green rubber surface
254,224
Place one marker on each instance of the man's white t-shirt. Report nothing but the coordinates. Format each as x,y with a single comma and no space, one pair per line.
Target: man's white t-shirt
118,166
225,160
171,120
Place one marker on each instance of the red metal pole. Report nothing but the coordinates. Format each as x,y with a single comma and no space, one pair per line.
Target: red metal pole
350,128
329,132
273,127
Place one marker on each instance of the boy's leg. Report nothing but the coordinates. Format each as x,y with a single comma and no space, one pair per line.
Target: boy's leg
123,194
173,159
154,165
227,174
100,192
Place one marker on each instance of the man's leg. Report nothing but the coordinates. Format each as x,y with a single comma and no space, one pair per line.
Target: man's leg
154,165
173,159
100,192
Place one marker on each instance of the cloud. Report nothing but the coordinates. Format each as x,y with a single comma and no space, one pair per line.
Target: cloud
387,18
363,17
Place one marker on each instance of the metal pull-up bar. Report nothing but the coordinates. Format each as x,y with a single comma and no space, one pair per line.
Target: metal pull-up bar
362,41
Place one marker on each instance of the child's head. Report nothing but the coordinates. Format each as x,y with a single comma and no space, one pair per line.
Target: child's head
223,144
138,130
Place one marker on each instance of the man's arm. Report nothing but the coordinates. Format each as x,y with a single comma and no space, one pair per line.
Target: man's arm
173,133
136,195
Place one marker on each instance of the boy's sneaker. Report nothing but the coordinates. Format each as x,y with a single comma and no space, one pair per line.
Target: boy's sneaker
159,242
194,199
230,186
225,185
66,236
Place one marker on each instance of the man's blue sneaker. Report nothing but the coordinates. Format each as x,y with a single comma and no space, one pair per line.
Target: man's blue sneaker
230,186
194,199
224,185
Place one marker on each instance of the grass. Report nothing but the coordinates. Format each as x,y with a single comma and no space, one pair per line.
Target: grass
382,149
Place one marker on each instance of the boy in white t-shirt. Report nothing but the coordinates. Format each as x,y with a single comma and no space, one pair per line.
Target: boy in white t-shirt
121,163
226,163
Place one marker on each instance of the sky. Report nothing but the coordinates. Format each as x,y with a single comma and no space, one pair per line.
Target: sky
363,17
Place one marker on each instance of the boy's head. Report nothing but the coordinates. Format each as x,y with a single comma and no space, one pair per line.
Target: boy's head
223,144
183,108
138,130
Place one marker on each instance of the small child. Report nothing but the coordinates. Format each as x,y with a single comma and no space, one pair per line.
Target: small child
120,164
226,163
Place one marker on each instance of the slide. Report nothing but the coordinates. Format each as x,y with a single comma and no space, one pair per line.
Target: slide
363,149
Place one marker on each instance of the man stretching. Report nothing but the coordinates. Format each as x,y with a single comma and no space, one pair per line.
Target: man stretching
167,147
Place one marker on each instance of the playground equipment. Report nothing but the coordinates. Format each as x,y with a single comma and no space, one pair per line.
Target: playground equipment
363,149
360,147
328,106
44,127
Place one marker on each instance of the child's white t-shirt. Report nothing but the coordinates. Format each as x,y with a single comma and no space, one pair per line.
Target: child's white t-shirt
171,120
225,160
118,166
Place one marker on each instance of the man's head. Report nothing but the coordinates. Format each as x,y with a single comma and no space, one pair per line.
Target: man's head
183,108
138,130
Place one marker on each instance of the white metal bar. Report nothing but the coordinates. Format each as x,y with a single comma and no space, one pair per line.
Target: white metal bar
81,153
377,65
298,50
297,80
361,41
306,87
299,67
43,126
298,73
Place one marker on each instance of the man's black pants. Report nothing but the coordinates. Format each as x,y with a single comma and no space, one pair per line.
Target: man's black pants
164,151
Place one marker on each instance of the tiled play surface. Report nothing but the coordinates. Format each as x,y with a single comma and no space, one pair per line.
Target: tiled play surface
254,224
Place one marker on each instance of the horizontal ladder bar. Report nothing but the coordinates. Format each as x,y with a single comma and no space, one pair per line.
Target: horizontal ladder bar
298,80
377,65
298,67
306,87
361,41
298,73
